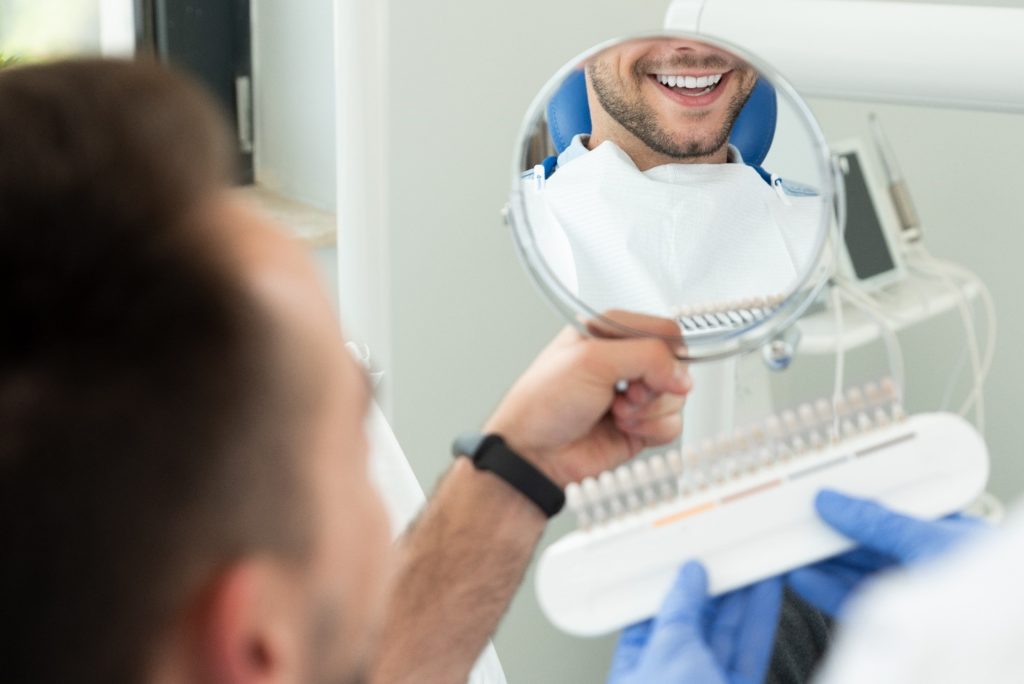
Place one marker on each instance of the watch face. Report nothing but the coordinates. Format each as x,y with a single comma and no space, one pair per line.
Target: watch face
467,444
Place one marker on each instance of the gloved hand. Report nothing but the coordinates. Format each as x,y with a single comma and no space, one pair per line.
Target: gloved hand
696,639
886,539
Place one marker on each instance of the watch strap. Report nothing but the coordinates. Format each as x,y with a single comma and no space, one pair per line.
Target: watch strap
491,453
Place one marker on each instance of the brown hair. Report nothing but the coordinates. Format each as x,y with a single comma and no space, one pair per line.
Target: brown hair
140,443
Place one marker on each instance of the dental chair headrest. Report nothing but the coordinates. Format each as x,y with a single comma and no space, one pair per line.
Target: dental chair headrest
569,115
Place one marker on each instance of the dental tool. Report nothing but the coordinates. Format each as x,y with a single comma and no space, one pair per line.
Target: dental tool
910,224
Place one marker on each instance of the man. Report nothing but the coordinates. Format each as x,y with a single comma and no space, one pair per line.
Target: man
667,100
183,486
653,210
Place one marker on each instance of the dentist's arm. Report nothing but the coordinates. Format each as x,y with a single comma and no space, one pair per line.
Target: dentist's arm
466,554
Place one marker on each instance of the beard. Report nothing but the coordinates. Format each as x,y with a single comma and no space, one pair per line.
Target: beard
640,119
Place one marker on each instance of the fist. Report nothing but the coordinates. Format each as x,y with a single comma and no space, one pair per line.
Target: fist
566,416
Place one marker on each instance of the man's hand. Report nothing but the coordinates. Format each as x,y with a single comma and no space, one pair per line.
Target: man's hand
886,539
694,639
466,554
565,415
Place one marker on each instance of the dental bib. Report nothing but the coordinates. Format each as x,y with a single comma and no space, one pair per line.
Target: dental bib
625,239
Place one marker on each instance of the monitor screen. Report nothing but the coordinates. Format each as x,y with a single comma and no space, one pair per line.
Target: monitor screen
865,236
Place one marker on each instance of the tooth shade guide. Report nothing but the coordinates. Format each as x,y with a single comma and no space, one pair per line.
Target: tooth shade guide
781,448
596,581
682,515
698,320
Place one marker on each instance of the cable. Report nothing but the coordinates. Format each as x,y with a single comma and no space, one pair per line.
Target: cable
947,392
971,335
840,365
981,367
987,302
840,208
888,333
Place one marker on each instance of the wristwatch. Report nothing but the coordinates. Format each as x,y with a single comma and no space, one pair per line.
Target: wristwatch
491,453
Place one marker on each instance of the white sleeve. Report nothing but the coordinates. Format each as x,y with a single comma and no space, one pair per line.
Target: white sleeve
403,497
959,619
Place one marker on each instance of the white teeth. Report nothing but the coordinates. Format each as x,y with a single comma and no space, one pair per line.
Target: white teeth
689,81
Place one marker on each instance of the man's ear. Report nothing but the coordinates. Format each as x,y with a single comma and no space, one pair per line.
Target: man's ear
252,626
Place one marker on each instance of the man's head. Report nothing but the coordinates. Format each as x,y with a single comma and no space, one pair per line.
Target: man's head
667,100
183,484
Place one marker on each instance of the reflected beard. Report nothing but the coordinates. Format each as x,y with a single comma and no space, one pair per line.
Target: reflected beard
637,117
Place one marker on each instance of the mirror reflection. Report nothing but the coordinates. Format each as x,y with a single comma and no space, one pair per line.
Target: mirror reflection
647,186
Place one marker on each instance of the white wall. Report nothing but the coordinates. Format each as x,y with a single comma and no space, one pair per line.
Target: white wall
294,122
465,318
293,72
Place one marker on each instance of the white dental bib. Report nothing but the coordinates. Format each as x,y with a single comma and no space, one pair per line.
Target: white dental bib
674,236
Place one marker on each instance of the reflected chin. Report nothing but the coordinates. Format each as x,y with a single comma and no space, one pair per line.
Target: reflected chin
657,128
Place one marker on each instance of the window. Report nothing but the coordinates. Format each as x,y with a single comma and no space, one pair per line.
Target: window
211,39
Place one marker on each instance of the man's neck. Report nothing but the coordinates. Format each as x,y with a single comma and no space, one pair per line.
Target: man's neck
645,158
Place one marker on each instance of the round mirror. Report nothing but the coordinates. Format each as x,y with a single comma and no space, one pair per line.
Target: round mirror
674,177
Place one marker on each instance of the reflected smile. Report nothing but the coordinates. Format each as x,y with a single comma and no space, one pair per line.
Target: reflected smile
692,86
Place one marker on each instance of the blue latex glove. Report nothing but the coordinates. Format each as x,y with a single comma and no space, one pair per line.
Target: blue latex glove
696,639
886,539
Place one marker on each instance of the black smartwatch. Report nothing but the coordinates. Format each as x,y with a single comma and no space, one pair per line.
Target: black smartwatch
491,453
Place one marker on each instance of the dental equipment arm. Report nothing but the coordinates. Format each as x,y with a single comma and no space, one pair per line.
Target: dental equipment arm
913,53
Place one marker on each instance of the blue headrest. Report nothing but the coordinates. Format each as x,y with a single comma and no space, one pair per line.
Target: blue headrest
569,115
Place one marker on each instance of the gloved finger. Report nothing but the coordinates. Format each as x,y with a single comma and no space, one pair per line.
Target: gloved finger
677,624
860,559
656,431
966,523
755,637
863,559
824,588
630,648
875,526
727,614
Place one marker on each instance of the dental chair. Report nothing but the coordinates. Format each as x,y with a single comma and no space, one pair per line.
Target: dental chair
568,115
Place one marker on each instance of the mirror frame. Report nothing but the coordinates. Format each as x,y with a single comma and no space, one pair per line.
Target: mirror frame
745,339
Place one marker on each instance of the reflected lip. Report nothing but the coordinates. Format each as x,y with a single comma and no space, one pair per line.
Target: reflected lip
692,101
695,74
